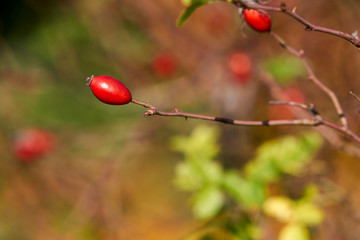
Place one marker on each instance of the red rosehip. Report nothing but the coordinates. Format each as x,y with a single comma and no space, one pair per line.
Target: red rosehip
257,19
32,144
109,90
164,64
240,66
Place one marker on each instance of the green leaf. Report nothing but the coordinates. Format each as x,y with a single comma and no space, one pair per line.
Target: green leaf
280,207
285,69
200,146
191,177
186,2
294,231
311,192
208,202
187,12
190,10
187,177
249,194
192,5
286,155
261,170
212,173
308,214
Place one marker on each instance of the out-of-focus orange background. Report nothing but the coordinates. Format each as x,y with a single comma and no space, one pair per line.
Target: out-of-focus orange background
110,175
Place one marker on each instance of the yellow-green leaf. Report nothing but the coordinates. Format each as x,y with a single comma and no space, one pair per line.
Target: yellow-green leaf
187,12
294,231
281,208
308,214
208,202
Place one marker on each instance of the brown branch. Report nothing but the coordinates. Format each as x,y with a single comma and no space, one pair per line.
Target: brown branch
309,107
308,26
311,76
316,121
324,125
178,113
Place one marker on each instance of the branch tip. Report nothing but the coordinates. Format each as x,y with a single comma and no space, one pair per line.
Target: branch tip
354,95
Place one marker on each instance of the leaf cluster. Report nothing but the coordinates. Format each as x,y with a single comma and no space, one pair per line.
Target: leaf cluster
212,186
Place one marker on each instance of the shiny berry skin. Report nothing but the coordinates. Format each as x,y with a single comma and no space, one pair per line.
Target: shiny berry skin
109,90
258,20
32,143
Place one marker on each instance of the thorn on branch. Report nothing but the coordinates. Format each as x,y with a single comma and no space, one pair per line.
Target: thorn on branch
301,53
283,6
175,110
282,44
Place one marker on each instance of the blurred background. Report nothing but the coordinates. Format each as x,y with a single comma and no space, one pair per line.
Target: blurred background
106,172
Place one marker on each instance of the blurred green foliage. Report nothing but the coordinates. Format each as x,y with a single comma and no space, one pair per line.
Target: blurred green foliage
210,184
285,69
108,178
296,214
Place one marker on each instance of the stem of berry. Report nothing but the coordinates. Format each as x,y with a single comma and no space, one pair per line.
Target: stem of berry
178,113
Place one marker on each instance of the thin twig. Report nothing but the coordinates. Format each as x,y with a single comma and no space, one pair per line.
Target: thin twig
311,76
294,104
178,113
317,121
310,107
308,26
354,95
326,129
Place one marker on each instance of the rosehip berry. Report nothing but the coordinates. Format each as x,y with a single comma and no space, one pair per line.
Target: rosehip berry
31,144
240,66
109,90
164,64
257,19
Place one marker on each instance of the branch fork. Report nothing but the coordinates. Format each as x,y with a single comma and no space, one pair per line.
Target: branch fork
316,119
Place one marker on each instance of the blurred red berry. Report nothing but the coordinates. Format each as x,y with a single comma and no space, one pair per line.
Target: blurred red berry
164,64
257,19
109,90
290,94
32,144
294,94
240,66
